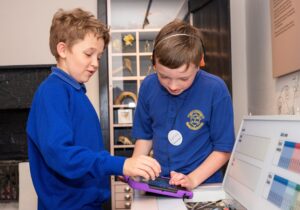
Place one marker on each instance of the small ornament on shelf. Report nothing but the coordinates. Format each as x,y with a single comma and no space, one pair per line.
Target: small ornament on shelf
147,46
126,94
128,39
117,45
124,140
126,66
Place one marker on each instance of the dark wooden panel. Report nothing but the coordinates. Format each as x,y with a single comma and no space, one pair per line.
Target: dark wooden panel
213,19
103,89
195,5
103,81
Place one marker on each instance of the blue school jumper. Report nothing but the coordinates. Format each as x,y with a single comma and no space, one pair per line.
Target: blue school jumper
69,167
203,115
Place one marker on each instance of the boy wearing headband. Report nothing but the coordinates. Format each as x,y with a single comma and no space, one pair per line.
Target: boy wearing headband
183,113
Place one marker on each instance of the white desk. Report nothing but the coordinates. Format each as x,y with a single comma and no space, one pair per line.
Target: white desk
147,202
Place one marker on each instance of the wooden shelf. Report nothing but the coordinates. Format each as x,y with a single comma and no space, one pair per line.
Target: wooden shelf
123,80
126,78
122,125
123,146
123,106
123,54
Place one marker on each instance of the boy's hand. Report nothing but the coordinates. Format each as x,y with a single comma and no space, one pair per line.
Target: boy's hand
182,180
143,166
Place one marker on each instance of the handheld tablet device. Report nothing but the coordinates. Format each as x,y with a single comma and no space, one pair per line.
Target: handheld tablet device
159,186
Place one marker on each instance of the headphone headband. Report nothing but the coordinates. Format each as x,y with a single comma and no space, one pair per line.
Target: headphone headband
170,36
173,35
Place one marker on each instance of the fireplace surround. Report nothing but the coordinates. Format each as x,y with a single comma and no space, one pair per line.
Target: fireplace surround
17,87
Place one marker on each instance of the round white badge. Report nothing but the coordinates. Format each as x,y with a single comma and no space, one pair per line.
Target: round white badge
175,137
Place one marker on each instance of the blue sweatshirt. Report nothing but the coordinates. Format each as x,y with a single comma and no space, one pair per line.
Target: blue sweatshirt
69,167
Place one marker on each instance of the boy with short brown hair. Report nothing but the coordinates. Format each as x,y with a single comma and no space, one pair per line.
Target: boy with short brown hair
69,166
185,114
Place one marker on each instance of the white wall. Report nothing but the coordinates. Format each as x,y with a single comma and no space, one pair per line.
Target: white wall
239,60
24,38
261,84
255,90
25,31
24,34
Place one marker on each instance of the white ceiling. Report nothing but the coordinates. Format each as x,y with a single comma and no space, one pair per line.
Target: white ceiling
130,14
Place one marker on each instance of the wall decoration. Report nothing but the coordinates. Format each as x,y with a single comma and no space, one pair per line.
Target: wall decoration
285,36
288,96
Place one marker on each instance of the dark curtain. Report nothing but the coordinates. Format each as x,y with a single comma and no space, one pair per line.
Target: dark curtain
212,17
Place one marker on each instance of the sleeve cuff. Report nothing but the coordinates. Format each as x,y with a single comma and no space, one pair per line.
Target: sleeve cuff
223,148
115,165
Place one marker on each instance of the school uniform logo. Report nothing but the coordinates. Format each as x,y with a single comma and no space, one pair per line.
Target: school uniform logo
195,117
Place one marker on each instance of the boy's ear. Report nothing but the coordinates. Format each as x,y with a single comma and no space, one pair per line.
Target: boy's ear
202,62
61,48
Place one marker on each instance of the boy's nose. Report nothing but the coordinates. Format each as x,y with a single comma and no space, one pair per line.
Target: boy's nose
95,62
173,86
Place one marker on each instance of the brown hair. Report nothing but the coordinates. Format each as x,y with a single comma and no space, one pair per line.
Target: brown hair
71,26
178,43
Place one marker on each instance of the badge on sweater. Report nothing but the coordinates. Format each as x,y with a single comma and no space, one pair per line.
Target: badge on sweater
175,137
195,117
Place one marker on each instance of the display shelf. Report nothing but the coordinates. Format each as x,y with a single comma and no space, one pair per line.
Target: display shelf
124,146
122,106
126,78
130,61
122,125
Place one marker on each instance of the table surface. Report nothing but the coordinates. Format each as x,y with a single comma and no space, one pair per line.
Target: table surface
150,202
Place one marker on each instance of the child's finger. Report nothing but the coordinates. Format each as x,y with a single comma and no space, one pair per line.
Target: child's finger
149,170
153,164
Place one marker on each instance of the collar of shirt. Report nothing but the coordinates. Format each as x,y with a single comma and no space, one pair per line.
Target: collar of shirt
68,79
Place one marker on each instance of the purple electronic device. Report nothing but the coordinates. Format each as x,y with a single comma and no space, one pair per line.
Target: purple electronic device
160,186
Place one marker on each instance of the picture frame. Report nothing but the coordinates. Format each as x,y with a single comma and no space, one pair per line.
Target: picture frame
125,116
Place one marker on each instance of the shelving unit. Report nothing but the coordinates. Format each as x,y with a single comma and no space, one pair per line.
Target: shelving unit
130,62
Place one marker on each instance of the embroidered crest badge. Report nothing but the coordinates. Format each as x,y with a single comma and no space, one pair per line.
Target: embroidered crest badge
195,117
